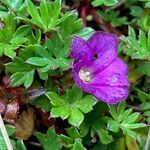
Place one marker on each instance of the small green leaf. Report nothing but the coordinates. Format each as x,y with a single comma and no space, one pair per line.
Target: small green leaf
56,8
56,100
20,145
29,79
113,126
131,118
104,136
76,117
22,31
78,145
85,33
37,61
49,140
137,48
73,132
25,78
86,104
62,111
105,2
33,11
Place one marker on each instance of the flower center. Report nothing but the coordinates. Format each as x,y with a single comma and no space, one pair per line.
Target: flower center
85,76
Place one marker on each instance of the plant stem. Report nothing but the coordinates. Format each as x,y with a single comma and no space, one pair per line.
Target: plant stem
5,135
147,146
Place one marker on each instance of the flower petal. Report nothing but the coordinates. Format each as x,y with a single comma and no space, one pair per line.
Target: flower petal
111,95
80,49
110,85
105,46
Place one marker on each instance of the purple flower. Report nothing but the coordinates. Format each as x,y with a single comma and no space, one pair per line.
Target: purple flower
98,70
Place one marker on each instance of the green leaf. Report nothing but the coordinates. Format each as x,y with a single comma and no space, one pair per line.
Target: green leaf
113,126
15,5
37,61
114,18
86,104
25,78
73,132
142,95
33,12
85,33
76,116
47,17
56,112
10,38
45,11
20,145
144,68
145,106
18,65
105,2
126,122
10,130
8,51
71,25
62,112
134,125
121,108
136,11
49,140
77,93
144,21
56,8
22,31
104,136
29,79
137,48
42,102
78,145
56,100
64,63
70,105
147,113
113,112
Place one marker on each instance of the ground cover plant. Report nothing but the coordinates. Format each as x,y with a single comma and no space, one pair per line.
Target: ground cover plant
74,74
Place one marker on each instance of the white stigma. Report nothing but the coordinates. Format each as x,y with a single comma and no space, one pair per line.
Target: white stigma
85,76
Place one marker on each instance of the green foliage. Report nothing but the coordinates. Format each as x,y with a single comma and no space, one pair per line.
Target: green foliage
22,73
95,122
35,44
50,140
144,68
136,11
42,102
2,142
73,141
10,37
20,145
52,55
124,120
104,2
145,106
37,58
15,5
114,18
70,105
137,48
71,26
144,21
10,130
47,17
